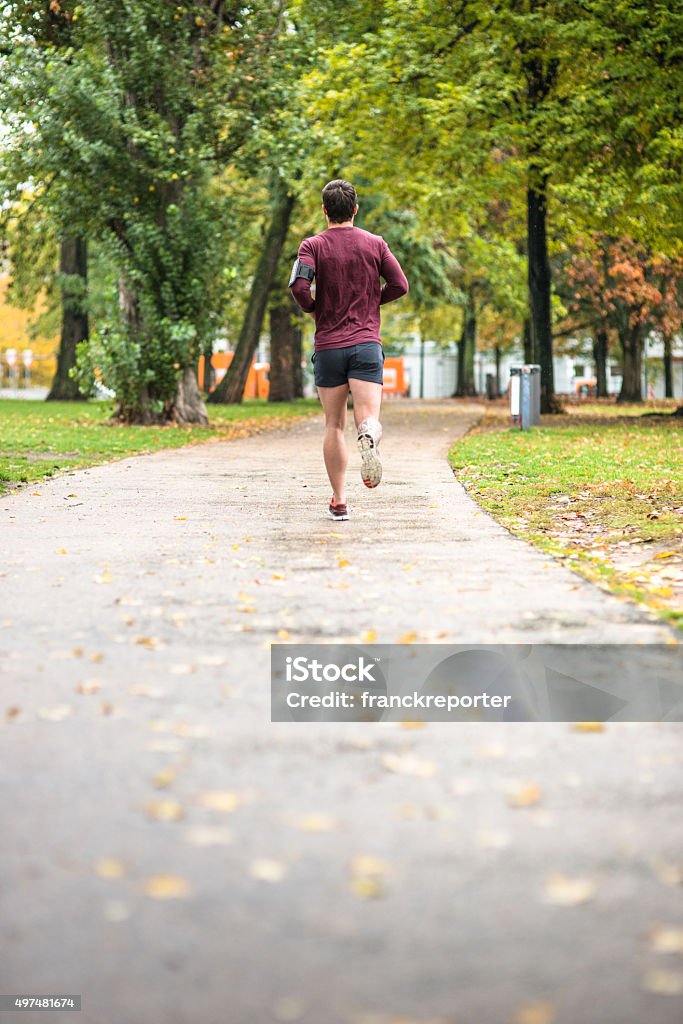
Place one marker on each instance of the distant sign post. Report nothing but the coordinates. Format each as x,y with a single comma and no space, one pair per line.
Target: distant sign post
27,358
11,360
525,395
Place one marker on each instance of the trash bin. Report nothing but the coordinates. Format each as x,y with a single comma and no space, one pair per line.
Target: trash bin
525,395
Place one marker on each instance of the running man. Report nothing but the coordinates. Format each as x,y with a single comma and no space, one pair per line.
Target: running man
347,264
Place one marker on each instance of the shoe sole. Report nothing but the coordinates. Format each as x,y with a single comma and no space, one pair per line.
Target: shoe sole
338,519
371,467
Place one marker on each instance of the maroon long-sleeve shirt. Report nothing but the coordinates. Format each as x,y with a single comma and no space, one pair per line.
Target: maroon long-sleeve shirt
348,263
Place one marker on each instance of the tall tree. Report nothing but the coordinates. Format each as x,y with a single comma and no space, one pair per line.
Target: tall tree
231,388
131,124
73,280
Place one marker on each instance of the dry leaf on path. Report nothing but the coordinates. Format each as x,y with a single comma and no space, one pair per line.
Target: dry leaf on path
150,642
408,638
663,982
205,835
407,764
316,823
104,577
56,714
368,875
110,867
163,778
164,810
220,800
167,887
264,869
89,686
568,892
524,796
535,1013
665,938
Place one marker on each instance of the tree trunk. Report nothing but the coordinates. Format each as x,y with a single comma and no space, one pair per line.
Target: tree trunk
231,388
528,341
209,380
286,338
631,339
600,348
496,353
73,261
668,368
187,405
466,386
539,291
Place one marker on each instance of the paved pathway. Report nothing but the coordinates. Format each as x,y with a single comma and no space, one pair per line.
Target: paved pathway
336,874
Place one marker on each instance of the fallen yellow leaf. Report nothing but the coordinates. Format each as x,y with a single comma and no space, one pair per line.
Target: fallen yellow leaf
205,835
524,796
109,867
588,726
164,810
316,823
568,892
664,938
149,642
408,638
219,800
407,764
167,887
89,686
535,1013
266,870
663,982
163,778
56,714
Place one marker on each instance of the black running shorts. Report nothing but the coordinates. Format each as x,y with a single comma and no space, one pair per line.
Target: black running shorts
335,366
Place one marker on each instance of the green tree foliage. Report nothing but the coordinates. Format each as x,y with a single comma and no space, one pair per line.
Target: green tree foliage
123,132
540,107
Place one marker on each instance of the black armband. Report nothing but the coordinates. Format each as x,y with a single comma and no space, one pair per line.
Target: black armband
301,270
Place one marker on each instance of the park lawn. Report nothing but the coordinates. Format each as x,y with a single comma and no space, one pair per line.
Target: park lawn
40,439
601,491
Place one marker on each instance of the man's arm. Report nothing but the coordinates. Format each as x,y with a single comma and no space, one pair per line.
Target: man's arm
301,286
396,281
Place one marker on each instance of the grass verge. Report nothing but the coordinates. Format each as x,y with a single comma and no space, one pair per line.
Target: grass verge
40,439
603,492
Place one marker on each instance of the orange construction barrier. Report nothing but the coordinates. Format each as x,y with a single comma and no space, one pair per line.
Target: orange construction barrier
395,382
257,386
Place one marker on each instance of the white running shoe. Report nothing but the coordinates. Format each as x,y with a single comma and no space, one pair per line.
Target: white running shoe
369,436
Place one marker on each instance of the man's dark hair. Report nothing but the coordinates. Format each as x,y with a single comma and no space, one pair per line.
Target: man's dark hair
339,199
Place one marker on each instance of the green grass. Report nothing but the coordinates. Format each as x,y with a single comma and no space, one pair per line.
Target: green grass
602,492
39,439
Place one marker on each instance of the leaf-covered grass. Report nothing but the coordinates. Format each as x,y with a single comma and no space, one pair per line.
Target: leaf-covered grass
604,492
39,439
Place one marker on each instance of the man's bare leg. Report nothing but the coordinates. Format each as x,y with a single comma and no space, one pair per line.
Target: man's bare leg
367,401
335,452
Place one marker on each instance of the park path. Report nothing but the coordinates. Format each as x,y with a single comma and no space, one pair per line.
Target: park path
138,602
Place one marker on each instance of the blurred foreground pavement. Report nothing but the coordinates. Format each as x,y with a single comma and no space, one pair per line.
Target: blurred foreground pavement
172,856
